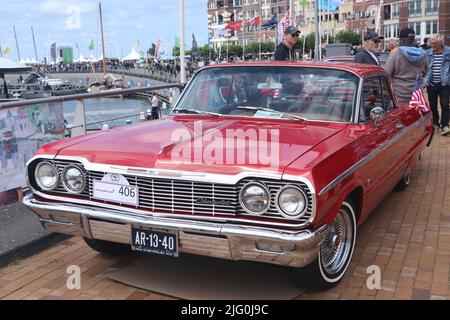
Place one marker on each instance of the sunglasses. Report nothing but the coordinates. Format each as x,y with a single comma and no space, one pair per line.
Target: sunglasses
295,35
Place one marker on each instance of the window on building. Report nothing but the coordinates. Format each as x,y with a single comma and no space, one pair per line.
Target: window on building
432,27
387,12
395,9
415,26
432,7
415,8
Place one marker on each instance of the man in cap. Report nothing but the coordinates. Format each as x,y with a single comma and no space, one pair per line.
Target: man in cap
437,81
406,64
285,50
367,53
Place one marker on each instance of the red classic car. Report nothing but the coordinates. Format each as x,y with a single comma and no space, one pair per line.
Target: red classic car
270,162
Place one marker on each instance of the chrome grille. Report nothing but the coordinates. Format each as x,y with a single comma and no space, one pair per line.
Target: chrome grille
177,196
181,197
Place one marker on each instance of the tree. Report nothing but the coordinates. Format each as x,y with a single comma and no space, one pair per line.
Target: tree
349,37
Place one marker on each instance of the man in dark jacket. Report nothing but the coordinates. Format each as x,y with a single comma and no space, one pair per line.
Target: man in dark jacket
367,53
285,50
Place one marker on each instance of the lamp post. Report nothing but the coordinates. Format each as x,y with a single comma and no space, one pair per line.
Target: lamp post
182,49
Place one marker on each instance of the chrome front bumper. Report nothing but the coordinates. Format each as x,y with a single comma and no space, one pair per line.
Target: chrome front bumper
218,240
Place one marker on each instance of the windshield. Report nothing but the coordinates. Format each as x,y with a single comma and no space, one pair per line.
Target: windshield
272,92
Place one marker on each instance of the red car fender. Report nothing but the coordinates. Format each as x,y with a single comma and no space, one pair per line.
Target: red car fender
343,194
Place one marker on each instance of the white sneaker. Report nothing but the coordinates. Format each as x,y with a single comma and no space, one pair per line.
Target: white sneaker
445,131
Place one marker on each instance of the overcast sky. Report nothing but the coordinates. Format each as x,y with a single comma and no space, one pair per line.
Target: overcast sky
77,22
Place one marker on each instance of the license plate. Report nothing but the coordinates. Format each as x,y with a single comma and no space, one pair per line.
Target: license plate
145,240
116,192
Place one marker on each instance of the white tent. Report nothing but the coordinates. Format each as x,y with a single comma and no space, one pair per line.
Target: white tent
81,59
7,65
133,56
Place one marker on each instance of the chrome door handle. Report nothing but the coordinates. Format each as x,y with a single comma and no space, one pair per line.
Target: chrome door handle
400,126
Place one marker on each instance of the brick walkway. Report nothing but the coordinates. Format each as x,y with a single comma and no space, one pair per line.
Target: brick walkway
408,237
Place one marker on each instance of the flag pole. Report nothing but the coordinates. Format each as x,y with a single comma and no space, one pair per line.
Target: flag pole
304,33
291,15
377,25
243,42
34,44
182,51
317,35
17,44
328,22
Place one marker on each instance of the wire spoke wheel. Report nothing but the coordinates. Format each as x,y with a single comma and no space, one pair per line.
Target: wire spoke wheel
337,247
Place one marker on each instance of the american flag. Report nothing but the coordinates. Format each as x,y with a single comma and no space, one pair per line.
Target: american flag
418,99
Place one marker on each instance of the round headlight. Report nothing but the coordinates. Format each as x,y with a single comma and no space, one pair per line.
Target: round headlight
73,179
291,201
254,198
46,176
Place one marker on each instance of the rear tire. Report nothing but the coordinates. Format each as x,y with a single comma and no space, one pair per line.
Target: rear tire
107,247
404,182
335,253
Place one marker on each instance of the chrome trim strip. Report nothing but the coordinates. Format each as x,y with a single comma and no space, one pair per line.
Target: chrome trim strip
174,174
372,155
358,102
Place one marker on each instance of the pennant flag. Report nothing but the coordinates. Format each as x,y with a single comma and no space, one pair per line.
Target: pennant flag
418,99
158,48
234,26
282,26
177,42
194,46
220,32
91,45
6,51
271,24
256,21
303,3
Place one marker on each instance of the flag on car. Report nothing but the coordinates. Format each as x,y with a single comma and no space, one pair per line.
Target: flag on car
418,99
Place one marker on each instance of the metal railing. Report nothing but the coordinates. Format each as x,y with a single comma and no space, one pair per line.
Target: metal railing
79,125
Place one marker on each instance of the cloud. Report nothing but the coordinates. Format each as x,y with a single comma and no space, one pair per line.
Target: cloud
64,7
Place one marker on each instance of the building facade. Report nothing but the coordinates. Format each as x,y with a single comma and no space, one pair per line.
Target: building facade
426,17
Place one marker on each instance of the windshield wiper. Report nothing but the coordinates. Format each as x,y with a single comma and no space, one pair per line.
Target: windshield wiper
187,110
271,110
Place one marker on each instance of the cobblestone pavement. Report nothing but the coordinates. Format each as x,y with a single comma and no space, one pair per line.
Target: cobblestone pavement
408,237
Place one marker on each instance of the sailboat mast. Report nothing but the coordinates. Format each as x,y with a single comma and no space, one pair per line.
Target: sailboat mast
103,40
34,43
17,44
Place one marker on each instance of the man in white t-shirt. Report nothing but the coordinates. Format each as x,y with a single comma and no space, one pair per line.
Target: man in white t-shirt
155,107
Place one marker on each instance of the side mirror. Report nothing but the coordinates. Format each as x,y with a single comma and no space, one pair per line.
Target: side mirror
377,114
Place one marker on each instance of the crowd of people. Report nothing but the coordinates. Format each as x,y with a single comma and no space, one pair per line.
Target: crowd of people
410,66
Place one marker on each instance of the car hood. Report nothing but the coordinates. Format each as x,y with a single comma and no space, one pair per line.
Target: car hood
203,144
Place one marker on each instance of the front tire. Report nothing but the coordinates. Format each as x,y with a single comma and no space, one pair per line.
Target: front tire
107,247
335,253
